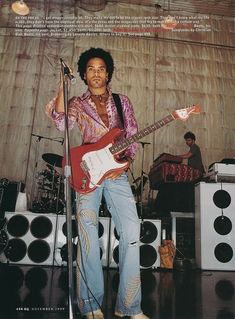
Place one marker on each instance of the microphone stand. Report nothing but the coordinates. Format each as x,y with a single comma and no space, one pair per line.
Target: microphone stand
59,139
67,174
142,180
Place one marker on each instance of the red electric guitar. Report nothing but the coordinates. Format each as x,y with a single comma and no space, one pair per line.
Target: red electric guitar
91,163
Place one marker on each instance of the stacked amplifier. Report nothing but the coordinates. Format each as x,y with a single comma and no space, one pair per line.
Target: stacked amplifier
215,226
40,239
215,218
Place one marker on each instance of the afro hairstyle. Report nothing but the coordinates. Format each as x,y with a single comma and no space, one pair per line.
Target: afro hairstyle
95,53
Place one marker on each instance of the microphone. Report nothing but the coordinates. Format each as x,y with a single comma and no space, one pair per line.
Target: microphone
68,72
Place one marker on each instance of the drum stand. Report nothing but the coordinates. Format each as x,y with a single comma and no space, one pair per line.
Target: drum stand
53,160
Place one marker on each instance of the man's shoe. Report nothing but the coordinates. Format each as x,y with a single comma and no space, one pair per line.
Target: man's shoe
139,316
97,314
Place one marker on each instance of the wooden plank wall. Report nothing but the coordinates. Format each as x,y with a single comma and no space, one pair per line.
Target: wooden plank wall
159,73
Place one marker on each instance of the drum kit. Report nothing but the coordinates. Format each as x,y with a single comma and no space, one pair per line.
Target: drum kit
50,187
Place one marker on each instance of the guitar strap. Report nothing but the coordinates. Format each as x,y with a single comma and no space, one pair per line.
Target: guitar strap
118,104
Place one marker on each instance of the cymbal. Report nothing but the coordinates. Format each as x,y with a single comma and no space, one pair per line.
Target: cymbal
53,159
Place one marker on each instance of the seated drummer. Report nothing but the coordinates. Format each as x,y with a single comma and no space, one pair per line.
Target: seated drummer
194,154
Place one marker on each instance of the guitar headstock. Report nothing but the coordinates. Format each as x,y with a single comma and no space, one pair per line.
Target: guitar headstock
183,114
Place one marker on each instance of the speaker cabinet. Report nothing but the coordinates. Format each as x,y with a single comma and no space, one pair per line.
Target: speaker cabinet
61,250
31,238
9,195
61,247
104,235
150,240
215,226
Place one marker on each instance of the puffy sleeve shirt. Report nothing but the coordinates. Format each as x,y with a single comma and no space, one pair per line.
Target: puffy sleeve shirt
82,110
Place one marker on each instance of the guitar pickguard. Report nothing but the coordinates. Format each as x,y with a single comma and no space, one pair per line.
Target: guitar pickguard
99,163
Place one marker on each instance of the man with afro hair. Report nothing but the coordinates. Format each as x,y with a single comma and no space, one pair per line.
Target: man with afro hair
96,113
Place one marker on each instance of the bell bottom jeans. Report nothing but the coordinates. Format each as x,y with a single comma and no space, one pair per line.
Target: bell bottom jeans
90,283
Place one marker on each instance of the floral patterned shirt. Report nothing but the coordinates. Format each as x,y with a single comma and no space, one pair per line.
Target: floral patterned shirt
83,111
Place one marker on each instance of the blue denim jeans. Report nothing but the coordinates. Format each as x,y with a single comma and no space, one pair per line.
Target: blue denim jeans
121,204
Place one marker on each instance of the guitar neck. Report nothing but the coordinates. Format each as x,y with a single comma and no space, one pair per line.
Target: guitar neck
125,143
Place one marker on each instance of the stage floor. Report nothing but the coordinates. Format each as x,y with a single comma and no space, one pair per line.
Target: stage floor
41,292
